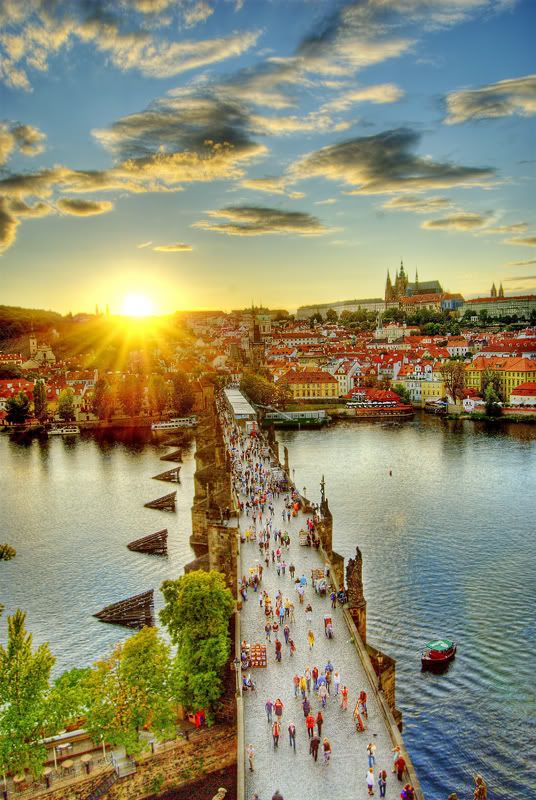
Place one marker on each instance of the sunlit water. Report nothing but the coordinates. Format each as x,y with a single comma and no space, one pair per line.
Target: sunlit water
448,548
69,506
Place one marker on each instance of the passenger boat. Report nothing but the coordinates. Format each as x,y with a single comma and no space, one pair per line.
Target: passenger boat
63,430
172,424
438,653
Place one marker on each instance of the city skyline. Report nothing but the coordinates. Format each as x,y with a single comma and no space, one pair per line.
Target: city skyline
201,155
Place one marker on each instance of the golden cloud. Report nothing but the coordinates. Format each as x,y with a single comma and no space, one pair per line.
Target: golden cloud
259,221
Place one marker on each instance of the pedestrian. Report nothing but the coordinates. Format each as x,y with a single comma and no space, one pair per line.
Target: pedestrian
362,700
308,613
286,633
344,698
306,705
396,753
310,725
292,570
315,677
319,722
310,639
292,735
314,744
278,648
328,681
327,750
292,646
371,749
303,686
275,733
250,751
296,682
323,694
400,765
308,679
278,708
333,598
408,792
370,781
382,782
277,795
268,631
336,682
269,706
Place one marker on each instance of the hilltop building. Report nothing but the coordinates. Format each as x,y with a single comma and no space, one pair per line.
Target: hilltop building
41,355
401,288
497,305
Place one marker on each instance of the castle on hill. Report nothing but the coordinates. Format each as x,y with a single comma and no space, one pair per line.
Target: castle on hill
401,287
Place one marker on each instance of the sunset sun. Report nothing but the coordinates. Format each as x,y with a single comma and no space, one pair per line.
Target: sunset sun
137,305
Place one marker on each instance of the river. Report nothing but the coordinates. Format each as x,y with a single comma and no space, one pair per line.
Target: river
448,548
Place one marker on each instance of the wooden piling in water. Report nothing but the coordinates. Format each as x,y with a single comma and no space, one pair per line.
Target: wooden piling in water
170,475
154,543
165,503
134,612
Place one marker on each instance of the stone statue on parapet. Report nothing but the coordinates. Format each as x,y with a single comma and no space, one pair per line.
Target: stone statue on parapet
354,580
220,794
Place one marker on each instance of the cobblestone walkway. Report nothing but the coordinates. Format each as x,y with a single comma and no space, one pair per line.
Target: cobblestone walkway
295,774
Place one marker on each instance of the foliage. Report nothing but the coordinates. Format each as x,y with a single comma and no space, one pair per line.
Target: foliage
16,321
182,396
490,377
24,677
158,394
130,395
7,552
68,698
197,610
40,400
66,409
453,373
492,401
262,391
17,409
103,400
9,372
331,315
402,392
129,690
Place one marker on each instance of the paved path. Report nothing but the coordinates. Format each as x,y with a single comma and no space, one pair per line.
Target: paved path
295,774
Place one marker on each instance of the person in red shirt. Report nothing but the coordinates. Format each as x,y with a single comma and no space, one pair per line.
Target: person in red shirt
400,766
278,708
275,733
310,722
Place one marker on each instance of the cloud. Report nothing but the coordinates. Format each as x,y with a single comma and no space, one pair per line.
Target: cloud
516,96
8,225
517,227
84,208
270,185
258,221
526,241
315,121
199,12
466,221
378,93
25,138
521,278
417,204
386,163
178,247
143,245
329,202
150,6
22,209
526,263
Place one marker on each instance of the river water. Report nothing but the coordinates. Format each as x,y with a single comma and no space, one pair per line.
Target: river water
448,548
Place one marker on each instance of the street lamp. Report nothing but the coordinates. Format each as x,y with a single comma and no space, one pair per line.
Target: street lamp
236,663
379,659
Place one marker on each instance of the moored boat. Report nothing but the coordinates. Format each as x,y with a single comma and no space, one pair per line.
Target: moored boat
438,653
172,424
63,430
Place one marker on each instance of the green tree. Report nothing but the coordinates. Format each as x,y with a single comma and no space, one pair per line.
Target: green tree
260,390
158,394
197,610
331,315
182,396
7,553
129,690
490,377
17,409
130,395
24,682
492,401
402,392
40,400
453,373
68,698
66,408
103,400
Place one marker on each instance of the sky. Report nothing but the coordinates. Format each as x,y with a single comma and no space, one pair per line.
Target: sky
215,153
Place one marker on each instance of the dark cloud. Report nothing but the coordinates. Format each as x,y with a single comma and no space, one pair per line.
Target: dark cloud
501,99
258,221
84,208
525,241
527,262
521,278
466,221
386,163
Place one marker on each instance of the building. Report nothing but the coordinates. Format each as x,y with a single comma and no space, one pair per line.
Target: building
497,305
401,287
311,385
524,395
373,304
423,381
511,373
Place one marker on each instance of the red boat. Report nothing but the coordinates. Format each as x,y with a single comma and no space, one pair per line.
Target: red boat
438,653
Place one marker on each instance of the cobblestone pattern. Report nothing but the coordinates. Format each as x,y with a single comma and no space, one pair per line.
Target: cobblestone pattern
295,774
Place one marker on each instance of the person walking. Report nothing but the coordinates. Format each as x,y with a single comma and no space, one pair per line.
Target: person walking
278,708
408,792
269,707
336,682
303,687
309,613
382,782
326,747
323,694
296,682
314,744
370,781
362,700
319,723
306,705
292,570
310,724
371,749
315,677
344,698
250,752
396,753
275,733
310,639
308,679
268,632
292,735
400,765
333,598
286,633
278,648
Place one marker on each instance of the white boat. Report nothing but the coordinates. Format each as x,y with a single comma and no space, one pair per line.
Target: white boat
64,430
172,424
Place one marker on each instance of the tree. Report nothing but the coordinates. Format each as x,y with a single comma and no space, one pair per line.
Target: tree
131,689
182,396
7,552
158,394
331,315
453,373
198,607
68,699
402,392
262,391
103,400
492,401
130,395
24,681
490,377
17,409
66,408
40,400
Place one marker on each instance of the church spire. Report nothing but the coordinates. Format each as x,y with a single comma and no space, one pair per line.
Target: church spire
388,288
501,291
493,291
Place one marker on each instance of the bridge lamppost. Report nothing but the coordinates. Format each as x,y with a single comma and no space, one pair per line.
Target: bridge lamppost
237,663
379,659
